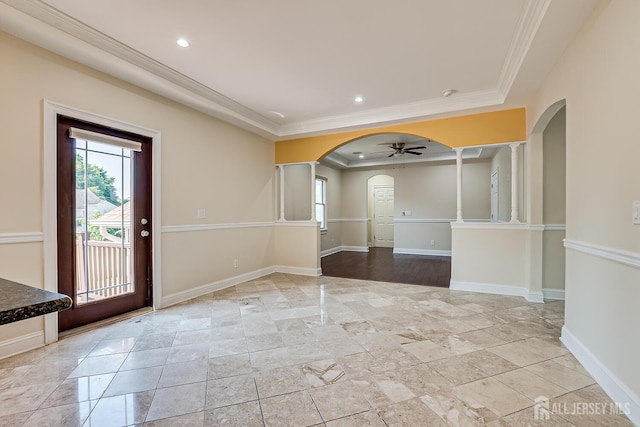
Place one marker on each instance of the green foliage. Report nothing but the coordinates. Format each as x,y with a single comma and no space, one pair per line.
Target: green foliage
99,182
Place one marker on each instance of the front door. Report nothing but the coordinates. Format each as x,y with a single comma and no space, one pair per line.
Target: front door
104,208
383,216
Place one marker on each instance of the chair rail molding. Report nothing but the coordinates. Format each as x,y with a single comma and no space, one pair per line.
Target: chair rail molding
631,259
29,237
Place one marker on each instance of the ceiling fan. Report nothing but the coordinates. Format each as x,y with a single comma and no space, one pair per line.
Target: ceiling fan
400,149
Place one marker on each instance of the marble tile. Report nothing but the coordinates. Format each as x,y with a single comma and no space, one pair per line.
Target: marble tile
264,342
493,395
113,346
133,381
569,361
591,407
188,353
194,419
427,350
26,398
230,391
228,347
293,409
14,419
79,389
457,412
73,414
529,384
278,381
530,350
410,413
183,373
152,341
179,400
122,410
369,418
343,347
339,400
99,365
527,417
246,414
320,373
472,366
145,359
227,366
560,375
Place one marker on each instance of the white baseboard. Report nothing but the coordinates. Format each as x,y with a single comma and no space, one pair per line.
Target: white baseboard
555,294
331,251
355,248
489,288
431,252
196,292
21,344
610,383
301,271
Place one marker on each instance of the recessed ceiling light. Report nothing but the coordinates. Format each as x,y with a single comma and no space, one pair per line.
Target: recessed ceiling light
448,92
358,99
183,42
361,156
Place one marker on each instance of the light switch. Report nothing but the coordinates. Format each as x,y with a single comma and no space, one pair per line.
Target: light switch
636,212
202,213
406,213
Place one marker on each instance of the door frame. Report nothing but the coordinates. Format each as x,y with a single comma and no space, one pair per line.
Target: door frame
49,206
373,213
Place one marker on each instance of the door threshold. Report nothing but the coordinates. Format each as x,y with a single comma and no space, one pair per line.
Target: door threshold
91,326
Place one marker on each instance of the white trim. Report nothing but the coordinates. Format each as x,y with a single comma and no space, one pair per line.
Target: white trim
198,291
431,252
555,227
631,259
331,251
43,25
337,249
205,227
554,294
296,224
21,344
355,248
489,288
487,226
300,271
535,227
423,221
50,112
10,238
617,390
347,220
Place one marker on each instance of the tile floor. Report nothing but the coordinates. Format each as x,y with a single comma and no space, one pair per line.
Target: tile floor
300,351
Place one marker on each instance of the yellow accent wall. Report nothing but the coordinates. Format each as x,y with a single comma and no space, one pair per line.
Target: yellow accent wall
463,131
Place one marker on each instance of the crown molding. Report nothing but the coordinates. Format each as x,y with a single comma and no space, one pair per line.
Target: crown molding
532,15
45,26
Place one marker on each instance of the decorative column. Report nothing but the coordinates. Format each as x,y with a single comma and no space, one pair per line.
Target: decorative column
281,167
313,190
514,183
459,184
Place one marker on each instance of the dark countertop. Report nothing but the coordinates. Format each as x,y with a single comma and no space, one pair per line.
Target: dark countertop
19,302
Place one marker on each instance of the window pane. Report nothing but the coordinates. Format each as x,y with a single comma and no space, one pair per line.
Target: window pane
320,215
319,191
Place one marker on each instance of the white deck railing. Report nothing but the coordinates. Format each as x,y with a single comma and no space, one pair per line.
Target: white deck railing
108,269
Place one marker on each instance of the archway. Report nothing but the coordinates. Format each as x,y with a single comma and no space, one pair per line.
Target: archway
550,131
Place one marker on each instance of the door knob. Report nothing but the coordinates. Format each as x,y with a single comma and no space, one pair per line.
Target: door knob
144,233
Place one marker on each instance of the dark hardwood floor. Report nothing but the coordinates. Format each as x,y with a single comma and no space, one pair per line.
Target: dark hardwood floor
381,264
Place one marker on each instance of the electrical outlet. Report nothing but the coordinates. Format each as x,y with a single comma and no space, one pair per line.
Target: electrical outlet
202,213
636,212
235,263
433,243
406,213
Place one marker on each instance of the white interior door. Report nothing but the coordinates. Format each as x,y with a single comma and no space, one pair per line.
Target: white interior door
383,216
494,196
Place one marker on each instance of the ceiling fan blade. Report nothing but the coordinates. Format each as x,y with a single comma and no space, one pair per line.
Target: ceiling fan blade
391,155
413,152
416,148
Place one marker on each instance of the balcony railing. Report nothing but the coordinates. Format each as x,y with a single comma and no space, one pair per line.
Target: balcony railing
106,272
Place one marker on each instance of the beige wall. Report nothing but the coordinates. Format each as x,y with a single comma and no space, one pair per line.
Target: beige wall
553,202
428,190
206,164
598,77
297,192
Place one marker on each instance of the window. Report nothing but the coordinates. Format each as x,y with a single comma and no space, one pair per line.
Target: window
321,202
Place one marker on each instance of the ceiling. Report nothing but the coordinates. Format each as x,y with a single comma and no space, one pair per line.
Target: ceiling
289,68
